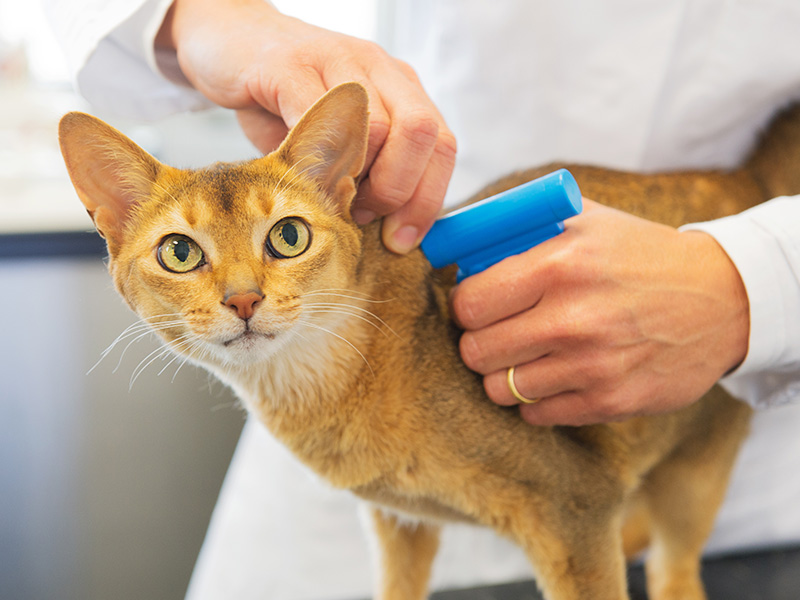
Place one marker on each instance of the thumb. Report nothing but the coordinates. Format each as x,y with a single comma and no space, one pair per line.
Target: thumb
264,130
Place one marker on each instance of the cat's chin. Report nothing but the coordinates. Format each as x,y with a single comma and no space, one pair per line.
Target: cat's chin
248,339
245,349
251,347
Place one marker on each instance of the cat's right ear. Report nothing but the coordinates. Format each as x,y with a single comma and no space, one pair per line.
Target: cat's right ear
329,143
109,171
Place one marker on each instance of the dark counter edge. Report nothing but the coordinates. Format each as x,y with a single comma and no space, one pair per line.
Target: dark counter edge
758,575
56,244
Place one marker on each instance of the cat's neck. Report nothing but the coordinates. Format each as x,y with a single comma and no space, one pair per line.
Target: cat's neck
304,377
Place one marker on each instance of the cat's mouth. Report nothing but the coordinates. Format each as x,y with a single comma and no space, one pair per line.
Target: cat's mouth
248,336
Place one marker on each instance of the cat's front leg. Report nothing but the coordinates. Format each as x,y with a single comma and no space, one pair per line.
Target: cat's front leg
576,558
407,549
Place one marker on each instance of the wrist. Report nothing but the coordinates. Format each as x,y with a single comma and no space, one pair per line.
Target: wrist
727,294
218,46
185,16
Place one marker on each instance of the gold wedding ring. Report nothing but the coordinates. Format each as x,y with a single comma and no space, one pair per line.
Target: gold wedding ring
513,387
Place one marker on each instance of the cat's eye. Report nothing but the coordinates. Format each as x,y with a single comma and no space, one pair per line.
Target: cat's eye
289,237
180,254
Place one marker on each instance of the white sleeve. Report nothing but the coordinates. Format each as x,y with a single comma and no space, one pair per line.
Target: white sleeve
764,244
109,46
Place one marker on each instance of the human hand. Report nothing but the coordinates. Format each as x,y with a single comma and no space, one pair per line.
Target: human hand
615,317
271,68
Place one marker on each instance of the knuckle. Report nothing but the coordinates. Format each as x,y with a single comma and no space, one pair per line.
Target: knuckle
471,352
427,205
563,328
379,127
617,402
390,195
599,370
575,322
496,391
299,57
353,53
465,308
566,264
553,267
446,146
407,70
601,408
420,129
366,50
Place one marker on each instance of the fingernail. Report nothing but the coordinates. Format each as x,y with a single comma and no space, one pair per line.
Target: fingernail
362,216
405,238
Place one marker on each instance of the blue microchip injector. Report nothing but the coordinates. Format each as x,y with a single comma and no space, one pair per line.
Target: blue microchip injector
482,234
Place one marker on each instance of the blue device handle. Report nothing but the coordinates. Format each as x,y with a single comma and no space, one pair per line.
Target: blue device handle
482,234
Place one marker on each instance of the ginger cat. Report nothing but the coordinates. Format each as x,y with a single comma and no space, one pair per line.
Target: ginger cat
347,354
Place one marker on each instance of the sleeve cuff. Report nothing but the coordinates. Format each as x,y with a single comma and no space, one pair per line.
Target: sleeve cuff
122,73
764,245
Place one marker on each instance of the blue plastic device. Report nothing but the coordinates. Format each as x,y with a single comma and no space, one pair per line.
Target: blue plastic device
482,234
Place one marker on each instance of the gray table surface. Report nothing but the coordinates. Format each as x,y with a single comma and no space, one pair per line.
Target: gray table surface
772,575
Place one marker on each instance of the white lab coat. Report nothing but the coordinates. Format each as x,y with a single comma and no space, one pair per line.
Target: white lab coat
645,85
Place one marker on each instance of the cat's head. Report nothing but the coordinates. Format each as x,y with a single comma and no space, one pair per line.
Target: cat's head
224,261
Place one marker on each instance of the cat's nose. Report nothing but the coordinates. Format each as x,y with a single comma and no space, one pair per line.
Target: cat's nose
243,304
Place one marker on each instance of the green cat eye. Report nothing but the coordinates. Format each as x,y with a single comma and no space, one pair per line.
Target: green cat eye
289,237
180,254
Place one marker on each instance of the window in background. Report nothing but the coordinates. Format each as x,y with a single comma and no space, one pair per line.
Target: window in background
28,49
34,92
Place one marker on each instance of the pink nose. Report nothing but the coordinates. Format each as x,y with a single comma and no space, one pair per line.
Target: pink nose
244,304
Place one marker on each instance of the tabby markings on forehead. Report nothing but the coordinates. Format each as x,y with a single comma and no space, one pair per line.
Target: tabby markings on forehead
190,214
226,191
224,185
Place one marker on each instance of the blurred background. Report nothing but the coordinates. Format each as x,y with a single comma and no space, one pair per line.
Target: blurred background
106,484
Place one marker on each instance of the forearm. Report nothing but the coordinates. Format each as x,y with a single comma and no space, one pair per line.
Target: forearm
184,14
199,32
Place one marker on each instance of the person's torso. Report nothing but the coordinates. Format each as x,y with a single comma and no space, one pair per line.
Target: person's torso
654,85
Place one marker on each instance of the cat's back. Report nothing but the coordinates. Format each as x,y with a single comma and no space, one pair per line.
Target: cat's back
677,198
672,199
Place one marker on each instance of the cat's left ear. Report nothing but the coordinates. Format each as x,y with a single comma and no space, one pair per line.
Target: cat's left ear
329,143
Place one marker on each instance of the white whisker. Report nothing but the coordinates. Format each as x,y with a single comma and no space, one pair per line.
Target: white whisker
346,341
364,313
291,170
166,366
146,362
185,343
180,366
339,292
145,333
140,329
342,310
191,349
163,189
340,304
160,352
